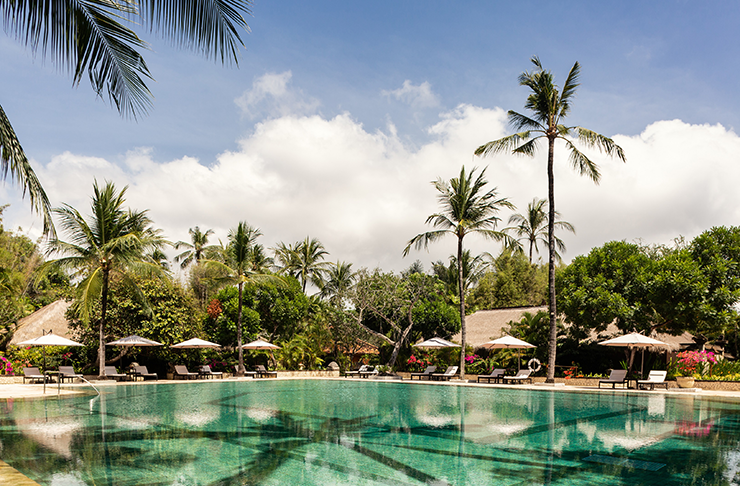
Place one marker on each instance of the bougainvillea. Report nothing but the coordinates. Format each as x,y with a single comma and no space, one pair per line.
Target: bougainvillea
692,362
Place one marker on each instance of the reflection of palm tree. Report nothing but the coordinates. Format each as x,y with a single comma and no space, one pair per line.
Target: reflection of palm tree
550,106
114,240
88,36
532,227
239,270
194,250
465,209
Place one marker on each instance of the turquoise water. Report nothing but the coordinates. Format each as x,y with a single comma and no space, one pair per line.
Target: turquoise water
311,432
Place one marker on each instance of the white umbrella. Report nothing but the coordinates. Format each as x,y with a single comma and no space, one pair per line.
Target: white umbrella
195,343
509,342
435,343
134,341
260,344
637,340
50,339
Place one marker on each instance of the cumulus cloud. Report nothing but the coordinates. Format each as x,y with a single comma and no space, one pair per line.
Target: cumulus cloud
272,96
417,97
365,194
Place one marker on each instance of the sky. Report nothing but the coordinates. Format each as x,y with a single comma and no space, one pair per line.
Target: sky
341,114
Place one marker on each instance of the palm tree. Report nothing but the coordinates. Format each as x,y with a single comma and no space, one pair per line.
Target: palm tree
239,270
338,282
88,36
532,227
549,106
473,270
465,209
286,259
194,250
310,252
113,241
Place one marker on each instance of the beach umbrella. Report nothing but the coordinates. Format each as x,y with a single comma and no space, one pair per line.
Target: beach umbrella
636,340
49,339
195,343
436,343
509,342
134,340
260,344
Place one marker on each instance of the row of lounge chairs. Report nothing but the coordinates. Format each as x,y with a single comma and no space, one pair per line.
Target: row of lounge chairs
430,374
619,377
498,376
33,374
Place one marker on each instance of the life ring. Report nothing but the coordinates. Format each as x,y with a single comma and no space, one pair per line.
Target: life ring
534,365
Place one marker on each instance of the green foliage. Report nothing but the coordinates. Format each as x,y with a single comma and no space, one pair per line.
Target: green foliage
514,282
535,329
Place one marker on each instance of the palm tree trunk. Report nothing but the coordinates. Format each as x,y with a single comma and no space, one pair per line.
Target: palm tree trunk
101,328
552,348
462,304
240,372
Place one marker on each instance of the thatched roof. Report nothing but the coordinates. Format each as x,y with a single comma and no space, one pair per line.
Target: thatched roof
48,317
485,325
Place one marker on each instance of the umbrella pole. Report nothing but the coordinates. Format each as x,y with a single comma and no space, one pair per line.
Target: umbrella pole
642,365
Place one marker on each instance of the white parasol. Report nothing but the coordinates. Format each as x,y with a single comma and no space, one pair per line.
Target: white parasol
436,343
195,343
636,340
134,340
509,342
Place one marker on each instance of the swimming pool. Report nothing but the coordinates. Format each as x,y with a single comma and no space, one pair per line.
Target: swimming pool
332,432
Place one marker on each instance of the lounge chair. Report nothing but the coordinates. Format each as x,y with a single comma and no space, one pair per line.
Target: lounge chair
32,374
655,378
616,377
426,374
520,376
263,373
67,373
141,370
496,375
361,369
182,372
111,372
449,373
252,374
368,372
205,372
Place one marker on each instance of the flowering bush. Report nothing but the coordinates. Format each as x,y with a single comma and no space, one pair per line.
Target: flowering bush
6,366
690,363
418,364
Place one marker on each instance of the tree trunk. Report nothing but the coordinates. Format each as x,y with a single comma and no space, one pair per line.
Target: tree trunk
241,370
552,345
462,304
101,328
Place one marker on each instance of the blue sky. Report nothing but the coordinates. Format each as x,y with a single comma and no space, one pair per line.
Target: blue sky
341,113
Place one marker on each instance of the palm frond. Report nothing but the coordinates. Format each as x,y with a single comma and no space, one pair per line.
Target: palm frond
529,148
581,163
569,89
519,121
422,240
605,144
505,144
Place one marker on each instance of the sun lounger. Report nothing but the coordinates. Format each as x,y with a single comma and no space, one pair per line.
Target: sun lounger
32,374
520,376
655,378
111,372
496,375
182,372
144,373
368,372
252,374
356,372
263,373
205,372
67,373
426,374
449,373
616,377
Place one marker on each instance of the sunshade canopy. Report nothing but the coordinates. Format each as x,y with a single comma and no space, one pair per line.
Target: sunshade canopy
260,344
49,340
134,341
633,339
436,342
195,343
507,342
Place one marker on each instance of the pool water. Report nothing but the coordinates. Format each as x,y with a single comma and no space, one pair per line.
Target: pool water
333,432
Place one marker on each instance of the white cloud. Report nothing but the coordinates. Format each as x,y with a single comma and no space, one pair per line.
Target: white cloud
417,97
271,96
364,195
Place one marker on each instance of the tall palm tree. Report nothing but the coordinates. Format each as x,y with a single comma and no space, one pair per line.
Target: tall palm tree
114,240
549,106
239,269
532,227
339,280
474,267
90,36
465,209
286,259
311,268
195,250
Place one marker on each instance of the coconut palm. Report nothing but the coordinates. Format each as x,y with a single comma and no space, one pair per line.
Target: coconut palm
195,250
474,267
466,209
286,259
90,36
114,240
303,260
549,106
339,280
532,228
239,269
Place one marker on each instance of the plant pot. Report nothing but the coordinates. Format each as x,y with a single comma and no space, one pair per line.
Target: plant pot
685,381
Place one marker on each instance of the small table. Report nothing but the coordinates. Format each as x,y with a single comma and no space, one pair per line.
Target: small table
134,375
